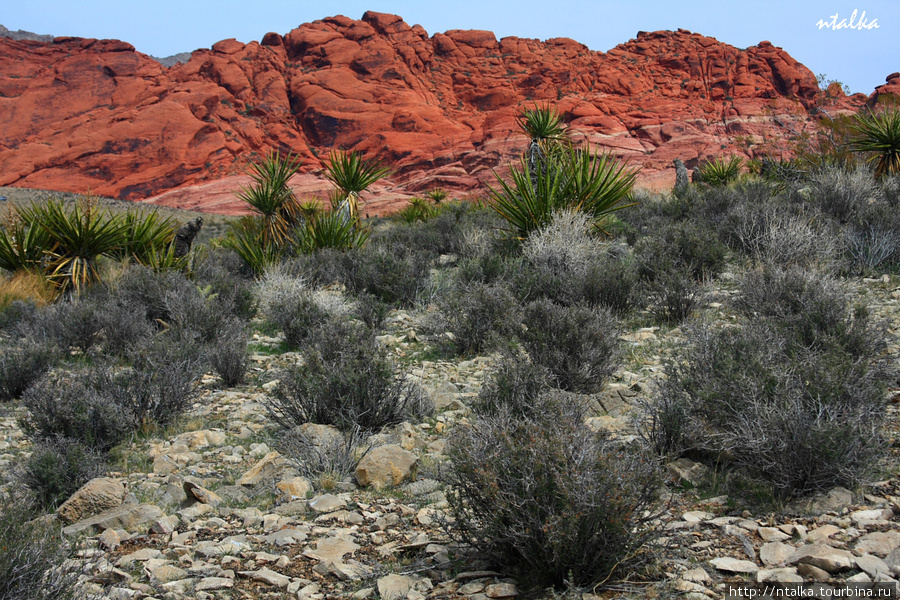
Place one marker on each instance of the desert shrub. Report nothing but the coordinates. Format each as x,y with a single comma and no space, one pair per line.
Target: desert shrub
781,236
159,386
74,406
567,244
871,246
16,313
396,279
59,466
577,344
347,381
719,172
486,268
684,246
296,316
663,423
673,296
842,193
812,308
69,324
798,418
476,315
547,500
613,283
326,457
33,556
147,291
229,355
22,365
223,273
371,310
514,384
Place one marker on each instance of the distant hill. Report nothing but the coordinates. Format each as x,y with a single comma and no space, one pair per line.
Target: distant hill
81,114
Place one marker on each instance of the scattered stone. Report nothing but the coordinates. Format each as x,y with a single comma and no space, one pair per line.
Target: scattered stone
331,549
822,556
772,534
872,565
327,503
695,516
268,577
94,497
134,518
293,489
822,533
696,576
775,553
687,470
733,565
202,495
385,465
269,468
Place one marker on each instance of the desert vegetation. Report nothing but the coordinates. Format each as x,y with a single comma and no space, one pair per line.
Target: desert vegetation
739,309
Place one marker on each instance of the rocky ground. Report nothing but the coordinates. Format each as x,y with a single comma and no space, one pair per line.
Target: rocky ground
208,509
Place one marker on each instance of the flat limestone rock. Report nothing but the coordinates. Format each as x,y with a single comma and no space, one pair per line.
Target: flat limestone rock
134,518
733,565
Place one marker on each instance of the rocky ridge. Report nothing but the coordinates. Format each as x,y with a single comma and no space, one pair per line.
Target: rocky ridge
210,510
82,114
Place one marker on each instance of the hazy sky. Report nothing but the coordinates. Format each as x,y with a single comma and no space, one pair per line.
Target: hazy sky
860,58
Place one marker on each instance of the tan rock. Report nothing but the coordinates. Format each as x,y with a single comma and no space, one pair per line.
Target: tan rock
293,489
202,495
94,497
386,465
822,556
268,468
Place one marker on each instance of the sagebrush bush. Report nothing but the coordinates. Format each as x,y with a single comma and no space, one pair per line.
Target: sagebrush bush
33,556
799,418
22,365
324,458
684,246
613,283
223,273
545,499
148,291
514,384
567,245
70,324
347,381
673,296
577,344
781,235
71,406
476,315
229,355
16,313
842,193
58,467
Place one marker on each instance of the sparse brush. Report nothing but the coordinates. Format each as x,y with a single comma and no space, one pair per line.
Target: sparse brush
59,466
577,344
228,353
476,315
324,454
23,365
34,556
546,500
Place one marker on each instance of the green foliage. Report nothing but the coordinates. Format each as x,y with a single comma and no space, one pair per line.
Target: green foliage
147,239
272,199
22,245
878,134
244,238
352,175
542,123
79,237
332,230
418,210
575,179
719,172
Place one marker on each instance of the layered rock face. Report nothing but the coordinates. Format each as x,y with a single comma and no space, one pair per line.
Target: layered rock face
95,115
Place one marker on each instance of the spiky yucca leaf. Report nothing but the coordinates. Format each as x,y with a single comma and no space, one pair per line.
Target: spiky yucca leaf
245,238
576,179
332,230
879,134
22,245
542,123
719,172
79,237
271,197
147,235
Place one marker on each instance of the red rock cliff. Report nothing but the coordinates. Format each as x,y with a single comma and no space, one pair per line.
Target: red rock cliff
95,115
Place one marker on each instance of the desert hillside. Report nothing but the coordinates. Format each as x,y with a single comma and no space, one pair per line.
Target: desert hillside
81,114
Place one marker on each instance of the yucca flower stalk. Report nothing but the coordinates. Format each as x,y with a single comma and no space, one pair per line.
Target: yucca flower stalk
879,135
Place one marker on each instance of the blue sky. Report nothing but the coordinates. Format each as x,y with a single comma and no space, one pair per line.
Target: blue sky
860,58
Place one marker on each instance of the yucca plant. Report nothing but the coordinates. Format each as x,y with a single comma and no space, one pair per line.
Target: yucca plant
352,175
244,237
271,197
417,210
578,179
146,237
79,237
879,135
22,245
437,195
331,230
719,172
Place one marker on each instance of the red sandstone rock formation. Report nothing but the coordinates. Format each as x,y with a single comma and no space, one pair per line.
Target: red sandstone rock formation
94,115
